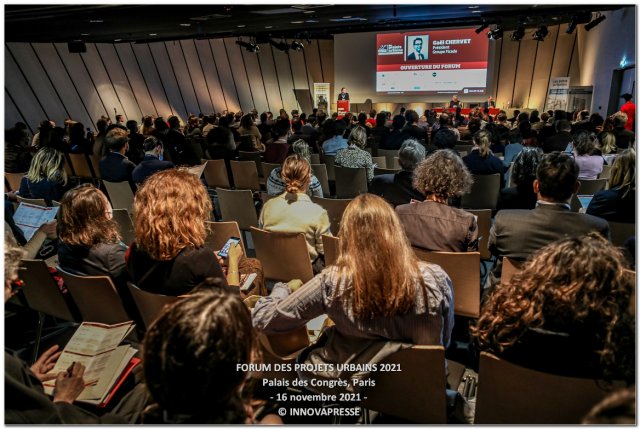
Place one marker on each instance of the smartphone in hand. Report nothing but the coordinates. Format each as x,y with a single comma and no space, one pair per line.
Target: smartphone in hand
224,252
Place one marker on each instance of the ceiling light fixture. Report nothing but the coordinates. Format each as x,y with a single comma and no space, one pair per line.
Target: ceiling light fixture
541,33
96,21
185,25
281,46
496,33
572,25
482,27
297,46
595,22
518,34
153,34
249,46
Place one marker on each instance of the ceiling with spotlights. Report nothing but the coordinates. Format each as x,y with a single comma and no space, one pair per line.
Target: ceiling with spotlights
145,23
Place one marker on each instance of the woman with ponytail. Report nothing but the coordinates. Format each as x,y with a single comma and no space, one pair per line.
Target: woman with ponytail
293,210
481,160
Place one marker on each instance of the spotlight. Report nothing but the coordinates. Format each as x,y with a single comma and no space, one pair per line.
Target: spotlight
281,46
495,34
541,33
249,46
595,22
572,25
482,27
297,46
517,35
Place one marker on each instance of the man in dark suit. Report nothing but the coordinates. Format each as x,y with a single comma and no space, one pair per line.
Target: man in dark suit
344,95
397,188
488,105
152,161
519,233
417,50
115,166
560,140
454,103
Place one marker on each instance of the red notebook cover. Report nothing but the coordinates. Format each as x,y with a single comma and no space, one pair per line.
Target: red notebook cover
127,370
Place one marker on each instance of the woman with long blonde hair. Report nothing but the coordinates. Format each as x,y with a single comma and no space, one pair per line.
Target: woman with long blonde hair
379,295
46,177
169,255
618,203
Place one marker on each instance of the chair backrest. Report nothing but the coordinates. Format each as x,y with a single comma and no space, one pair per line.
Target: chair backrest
621,231
80,165
575,203
68,168
463,148
484,228
267,168
120,195
350,182
590,187
484,192
329,161
95,165
320,171
396,163
215,173
417,393
378,171
219,233
464,270
245,175
237,205
122,218
149,304
42,292
276,152
380,161
330,245
389,155
96,298
284,256
511,394
13,180
35,201
315,158
509,268
285,345
335,209
606,172
254,156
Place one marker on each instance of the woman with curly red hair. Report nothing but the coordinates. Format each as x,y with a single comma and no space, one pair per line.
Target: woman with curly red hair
567,312
168,256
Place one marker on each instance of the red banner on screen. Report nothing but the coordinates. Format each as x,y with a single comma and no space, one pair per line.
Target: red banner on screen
434,66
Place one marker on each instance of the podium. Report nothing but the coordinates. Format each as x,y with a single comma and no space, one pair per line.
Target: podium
343,106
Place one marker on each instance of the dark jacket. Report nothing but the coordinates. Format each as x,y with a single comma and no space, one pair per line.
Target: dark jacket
558,142
611,205
150,164
115,167
624,138
488,165
47,189
394,140
517,197
395,188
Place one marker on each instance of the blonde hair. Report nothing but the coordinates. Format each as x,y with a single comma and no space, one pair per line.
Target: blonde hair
482,139
607,142
48,163
376,257
296,173
171,208
623,172
358,137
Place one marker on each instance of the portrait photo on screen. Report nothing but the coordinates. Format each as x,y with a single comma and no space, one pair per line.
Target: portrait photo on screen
417,47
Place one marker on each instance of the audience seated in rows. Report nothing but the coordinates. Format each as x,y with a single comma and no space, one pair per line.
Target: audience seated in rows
589,163
624,138
521,195
248,128
277,150
293,210
567,312
354,155
397,136
152,161
169,255
618,202
397,188
17,157
433,224
46,177
334,131
481,160
377,308
115,167
513,148
561,139
276,185
411,128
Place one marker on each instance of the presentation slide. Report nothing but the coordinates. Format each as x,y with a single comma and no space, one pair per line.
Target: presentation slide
432,62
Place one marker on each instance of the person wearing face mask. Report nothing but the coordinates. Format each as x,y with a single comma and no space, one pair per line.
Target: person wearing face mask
152,161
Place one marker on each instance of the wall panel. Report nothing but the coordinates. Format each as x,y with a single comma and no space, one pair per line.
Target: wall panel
285,80
526,63
245,92
508,58
542,71
132,70
256,83
226,76
271,85
101,79
12,114
182,75
210,70
168,79
196,75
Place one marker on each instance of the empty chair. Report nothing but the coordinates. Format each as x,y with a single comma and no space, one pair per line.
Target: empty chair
423,374
315,158
377,171
95,165
350,182
509,268
606,172
215,173
122,218
329,161
464,270
484,192
380,161
396,163
620,232
330,245
237,205
220,232
256,157
549,399
245,175
463,148
276,152
334,208
320,171
149,304
590,187
120,195
484,228
96,298
35,201
13,180
80,165
389,155
284,255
